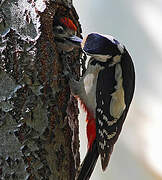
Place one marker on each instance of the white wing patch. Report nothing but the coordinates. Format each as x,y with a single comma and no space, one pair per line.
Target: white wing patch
117,104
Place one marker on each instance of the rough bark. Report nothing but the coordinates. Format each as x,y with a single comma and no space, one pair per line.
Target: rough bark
38,116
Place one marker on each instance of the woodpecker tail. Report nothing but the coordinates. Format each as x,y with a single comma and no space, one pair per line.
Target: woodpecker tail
87,166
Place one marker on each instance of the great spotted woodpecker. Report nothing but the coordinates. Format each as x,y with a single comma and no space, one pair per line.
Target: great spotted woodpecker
65,34
105,92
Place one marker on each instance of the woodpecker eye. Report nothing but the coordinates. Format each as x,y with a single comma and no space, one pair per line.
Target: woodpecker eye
59,29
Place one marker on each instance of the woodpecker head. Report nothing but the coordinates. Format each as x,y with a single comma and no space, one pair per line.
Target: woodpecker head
102,47
65,34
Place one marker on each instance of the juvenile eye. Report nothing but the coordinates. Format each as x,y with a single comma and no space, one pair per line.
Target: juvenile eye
60,30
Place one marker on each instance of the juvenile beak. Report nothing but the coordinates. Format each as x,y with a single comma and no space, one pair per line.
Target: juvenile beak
76,40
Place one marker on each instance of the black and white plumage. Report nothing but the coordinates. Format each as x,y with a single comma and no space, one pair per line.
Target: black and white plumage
111,111
106,91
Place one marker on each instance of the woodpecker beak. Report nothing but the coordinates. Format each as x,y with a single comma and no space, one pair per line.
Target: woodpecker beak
71,41
67,44
76,40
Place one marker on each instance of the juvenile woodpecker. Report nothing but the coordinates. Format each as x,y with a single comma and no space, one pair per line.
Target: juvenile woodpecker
65,34
105,92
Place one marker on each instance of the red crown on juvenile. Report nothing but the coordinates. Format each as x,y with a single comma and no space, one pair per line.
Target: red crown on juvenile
68,23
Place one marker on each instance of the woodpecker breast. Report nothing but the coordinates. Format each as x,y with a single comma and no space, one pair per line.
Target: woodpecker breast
89,83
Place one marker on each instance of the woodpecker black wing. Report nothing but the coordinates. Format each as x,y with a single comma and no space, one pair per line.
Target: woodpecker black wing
112,104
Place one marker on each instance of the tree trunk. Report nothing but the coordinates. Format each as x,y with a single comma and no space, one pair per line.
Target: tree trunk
38,116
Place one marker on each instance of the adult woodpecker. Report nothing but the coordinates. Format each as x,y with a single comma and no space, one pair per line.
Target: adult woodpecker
105,92
65,34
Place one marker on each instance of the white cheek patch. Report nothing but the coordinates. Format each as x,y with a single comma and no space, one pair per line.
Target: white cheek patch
117,104
116,59
102,58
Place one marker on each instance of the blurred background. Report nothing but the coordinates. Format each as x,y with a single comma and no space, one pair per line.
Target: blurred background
138,25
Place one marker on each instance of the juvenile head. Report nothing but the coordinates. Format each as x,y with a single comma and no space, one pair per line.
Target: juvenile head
65,34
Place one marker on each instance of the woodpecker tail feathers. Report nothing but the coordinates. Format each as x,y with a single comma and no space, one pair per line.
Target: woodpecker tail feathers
87,166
